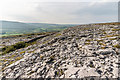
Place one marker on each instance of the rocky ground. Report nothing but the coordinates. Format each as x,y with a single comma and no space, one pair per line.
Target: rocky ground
10,40
77,52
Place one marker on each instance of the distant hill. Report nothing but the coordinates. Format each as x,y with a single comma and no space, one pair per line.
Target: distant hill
12,27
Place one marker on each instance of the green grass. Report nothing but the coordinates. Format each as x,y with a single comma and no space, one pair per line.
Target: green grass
115,29
87,43
11,48
117,46
8,49
58,34
38,30
9,34
113,38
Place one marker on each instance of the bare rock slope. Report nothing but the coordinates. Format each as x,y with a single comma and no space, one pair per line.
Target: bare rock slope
77,52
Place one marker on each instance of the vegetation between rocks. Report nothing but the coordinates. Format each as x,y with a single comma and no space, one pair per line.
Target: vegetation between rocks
14,47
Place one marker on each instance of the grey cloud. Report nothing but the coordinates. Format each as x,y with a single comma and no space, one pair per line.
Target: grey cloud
109,8
82,12
71,12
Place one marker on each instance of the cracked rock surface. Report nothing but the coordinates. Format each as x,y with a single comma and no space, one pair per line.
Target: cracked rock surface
76,52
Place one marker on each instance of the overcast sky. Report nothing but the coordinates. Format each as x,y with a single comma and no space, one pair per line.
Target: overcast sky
60,11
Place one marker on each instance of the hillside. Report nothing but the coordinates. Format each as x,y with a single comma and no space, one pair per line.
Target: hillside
83,51
12,28
15,27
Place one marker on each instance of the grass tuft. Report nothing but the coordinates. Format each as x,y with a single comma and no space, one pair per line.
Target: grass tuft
117,46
